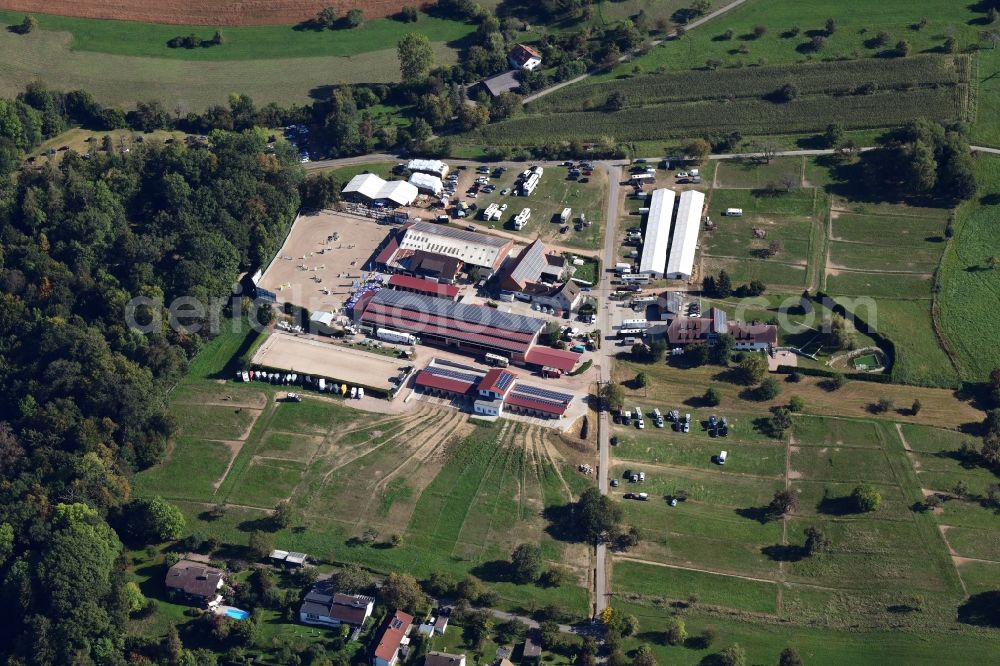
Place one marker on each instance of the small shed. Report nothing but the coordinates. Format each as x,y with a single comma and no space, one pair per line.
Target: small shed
296,559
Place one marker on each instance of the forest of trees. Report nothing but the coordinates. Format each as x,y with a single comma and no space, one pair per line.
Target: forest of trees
82,397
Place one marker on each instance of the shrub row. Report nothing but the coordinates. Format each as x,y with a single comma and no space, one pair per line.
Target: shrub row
819,372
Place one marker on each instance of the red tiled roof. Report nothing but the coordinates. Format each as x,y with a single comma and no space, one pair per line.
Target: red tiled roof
493,381
417,322
754,332
519,400
560,359
522,53
390,249
423,286
395,630
426,379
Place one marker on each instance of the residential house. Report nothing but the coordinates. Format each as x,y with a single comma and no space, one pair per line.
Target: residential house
532,650
524,57
444,659
195,581
707,329
392,638
563,298
333,610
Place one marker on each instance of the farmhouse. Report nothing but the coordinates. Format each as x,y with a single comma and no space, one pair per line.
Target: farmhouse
444,659
561,298
333,610
534,264
654,246
427,183
687,224
195,581
687,330
432,167
524,57
391,639
370,189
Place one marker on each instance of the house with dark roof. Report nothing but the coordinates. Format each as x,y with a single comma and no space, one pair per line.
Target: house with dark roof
524,57
336,609
391,639
561,298
195,582
532,650
444,659
501,83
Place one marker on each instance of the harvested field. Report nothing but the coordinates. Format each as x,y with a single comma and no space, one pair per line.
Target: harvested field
204,12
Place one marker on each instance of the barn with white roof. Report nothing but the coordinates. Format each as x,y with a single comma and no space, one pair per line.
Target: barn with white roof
370,188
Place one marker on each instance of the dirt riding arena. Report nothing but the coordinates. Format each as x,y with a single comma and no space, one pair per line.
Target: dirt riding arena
316,357
321,258
205,12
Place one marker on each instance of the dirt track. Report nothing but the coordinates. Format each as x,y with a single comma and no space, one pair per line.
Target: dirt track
205,12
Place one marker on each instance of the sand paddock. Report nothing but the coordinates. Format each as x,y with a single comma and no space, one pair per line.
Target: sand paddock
308,265
325,359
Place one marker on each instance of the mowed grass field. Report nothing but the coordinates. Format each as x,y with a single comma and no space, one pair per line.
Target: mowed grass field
188,85
970,287
715,556
460,496
792,218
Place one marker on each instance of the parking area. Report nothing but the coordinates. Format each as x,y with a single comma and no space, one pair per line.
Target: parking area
323,255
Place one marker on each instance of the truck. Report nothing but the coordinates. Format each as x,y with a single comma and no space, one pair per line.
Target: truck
621,268
521,219
578,348
398,337
565,215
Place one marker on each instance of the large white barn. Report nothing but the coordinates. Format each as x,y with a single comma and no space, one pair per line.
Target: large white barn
687,224
470,247
654,246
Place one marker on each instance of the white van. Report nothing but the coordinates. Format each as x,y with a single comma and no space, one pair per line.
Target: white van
354,391
361,393
722,457
733,212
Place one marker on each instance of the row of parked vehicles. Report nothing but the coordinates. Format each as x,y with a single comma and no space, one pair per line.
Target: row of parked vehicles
679,423
292,378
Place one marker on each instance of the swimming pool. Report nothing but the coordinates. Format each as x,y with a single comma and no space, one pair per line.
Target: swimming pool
237,614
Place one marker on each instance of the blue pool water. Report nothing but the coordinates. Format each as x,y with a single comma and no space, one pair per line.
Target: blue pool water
237,614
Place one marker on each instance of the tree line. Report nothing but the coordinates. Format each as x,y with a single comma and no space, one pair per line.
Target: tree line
82,396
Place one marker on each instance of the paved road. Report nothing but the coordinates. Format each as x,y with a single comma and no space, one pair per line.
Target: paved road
614,172
348,161
624,58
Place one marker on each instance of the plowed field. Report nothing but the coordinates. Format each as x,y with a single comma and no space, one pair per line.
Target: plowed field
205,12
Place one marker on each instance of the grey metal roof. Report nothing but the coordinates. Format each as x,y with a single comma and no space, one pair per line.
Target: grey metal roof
530,264
472,314
458,234
502,83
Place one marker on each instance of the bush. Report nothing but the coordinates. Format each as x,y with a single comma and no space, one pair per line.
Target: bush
796,404
712,397
866,498
768,389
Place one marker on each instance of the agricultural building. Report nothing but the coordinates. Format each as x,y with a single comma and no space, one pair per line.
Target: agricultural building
467,247
370,189
491,393
654,246
748,336
422,286
687,224
501,83
524,57
475,329
534,264
432,167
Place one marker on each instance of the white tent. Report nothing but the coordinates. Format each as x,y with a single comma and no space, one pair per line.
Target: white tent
427,183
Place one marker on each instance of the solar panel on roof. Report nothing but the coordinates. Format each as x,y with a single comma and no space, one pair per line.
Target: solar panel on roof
544,394
504,380
472,314
453,374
